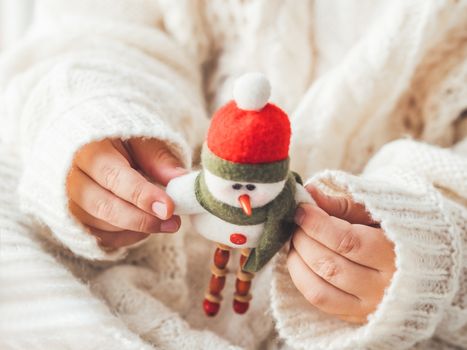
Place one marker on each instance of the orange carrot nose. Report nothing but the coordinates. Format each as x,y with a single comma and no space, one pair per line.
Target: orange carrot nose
244,200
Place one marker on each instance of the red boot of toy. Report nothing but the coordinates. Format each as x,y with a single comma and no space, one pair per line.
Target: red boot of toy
211,308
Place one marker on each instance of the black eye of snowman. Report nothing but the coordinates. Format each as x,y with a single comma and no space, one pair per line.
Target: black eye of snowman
250,187
237,186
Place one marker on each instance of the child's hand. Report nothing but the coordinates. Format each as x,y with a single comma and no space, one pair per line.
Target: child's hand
117,203
340,260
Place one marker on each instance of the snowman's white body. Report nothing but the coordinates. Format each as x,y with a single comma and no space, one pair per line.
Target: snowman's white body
182,192
225,232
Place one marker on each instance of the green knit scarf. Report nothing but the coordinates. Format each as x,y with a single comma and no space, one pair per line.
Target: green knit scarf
277,217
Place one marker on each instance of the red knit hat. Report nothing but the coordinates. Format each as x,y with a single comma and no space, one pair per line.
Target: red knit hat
250,130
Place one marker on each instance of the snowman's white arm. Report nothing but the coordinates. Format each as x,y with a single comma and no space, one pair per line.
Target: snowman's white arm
182,191
302,195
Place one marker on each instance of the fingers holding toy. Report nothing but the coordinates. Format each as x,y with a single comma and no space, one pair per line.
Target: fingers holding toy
362,244
341,268
109,164
328,297
102,209
336,269
108,193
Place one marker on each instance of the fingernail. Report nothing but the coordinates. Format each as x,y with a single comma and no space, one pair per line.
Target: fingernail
299,216
170,225
160,209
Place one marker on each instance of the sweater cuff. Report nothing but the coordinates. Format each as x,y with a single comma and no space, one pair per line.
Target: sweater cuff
427,260
42,188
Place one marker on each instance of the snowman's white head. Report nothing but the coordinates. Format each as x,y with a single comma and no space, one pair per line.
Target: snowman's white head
245,157
245,195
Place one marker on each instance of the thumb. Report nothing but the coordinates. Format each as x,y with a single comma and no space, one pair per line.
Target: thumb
342,207
156,160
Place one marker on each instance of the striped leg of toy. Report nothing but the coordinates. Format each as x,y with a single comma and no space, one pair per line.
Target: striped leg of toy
242,294
213,296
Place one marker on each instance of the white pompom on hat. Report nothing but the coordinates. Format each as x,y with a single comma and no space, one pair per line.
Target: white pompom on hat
251,91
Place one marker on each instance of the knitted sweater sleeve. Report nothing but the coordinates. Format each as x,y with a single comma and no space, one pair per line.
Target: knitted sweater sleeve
419,193
90,70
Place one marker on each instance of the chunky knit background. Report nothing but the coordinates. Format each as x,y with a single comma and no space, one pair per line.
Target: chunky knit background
358,81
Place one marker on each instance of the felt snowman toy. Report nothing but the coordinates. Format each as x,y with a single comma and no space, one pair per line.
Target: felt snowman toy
245,196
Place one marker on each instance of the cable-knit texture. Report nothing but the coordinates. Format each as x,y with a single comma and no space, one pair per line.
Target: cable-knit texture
376,95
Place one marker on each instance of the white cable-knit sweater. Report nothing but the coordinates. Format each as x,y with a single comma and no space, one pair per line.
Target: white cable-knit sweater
376,93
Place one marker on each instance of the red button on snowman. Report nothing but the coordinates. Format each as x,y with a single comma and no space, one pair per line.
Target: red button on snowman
244,196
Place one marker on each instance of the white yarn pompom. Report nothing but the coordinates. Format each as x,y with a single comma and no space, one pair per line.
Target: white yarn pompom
252,91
